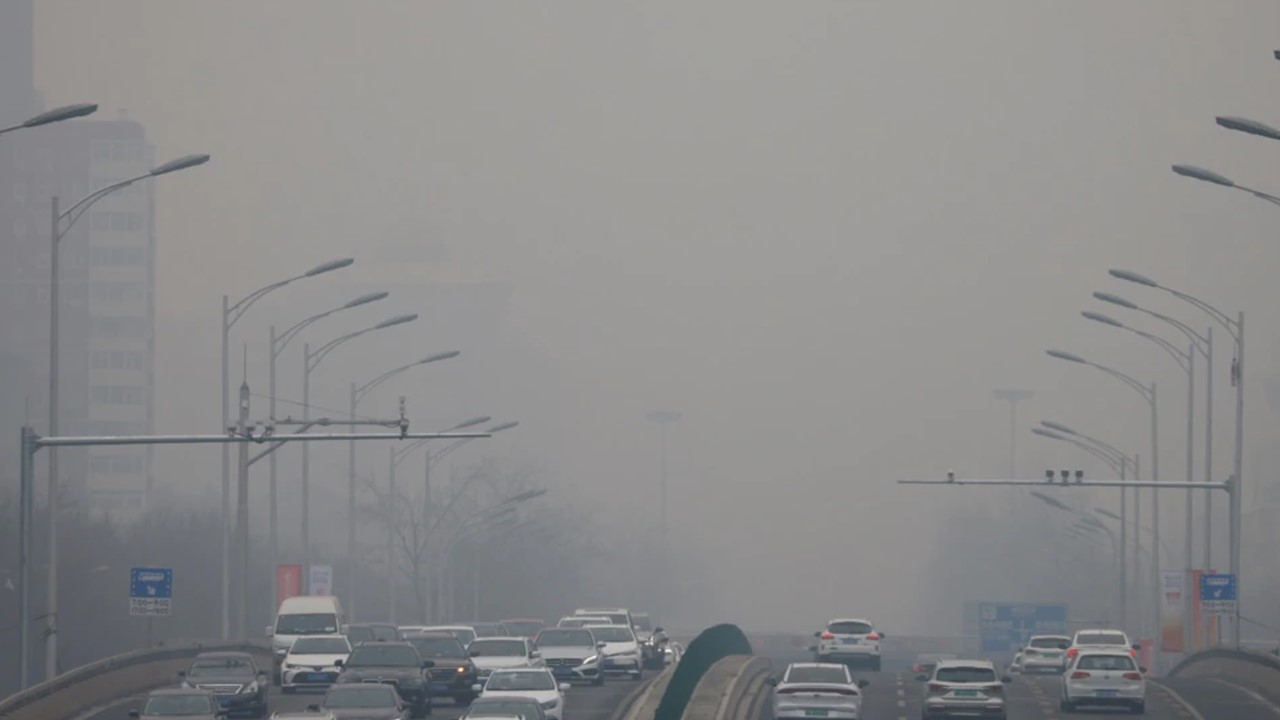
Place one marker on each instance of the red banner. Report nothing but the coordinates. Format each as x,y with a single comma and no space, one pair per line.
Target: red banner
288,582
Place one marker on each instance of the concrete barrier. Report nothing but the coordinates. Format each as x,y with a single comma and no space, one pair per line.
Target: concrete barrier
642,703
111,680
1256,669
733,688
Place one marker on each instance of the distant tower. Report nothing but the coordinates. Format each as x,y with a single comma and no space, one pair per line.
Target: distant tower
18,97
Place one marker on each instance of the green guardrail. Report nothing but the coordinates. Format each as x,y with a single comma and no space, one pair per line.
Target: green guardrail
704,651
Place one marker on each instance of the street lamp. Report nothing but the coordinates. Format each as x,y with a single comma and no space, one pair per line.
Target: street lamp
60,224
1245,125
276,346
311,360
231,314
66,112
1148,393
1235,327
358,393
1199,173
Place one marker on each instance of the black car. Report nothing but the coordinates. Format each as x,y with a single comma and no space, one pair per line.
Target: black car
454,673
372,632
506,706
234,679
393,663
360,702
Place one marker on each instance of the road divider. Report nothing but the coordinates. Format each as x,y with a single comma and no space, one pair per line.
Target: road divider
112,679
734,688
1246,667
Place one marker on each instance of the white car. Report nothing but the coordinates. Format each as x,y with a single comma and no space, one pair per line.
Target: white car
502,653
1099,640
1104,678
1045,654
621,650
849,641
464,633
536,683
313,662
815,690
1015,665
577,621
965,688
572,654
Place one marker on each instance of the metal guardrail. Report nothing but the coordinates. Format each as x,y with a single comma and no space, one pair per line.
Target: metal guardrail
42,693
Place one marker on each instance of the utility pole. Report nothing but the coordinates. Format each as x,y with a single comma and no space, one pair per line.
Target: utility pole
1013,397
242,513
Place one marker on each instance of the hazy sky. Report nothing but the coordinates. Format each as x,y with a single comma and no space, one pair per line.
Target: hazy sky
822,229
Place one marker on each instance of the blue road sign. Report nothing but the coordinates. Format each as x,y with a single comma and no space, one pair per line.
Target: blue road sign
1218,593
1004,627
151,582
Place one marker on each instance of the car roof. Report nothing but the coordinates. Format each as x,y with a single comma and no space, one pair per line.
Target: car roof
816,665
849,620
505,698
1101,650
523,620
610,625
326,636
1112,631
384,643
181,691
224,655
966,663
446,627
430,635
1050,635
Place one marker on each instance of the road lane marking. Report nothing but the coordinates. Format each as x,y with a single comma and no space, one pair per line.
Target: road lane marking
1181,701
902,703
902,693
1270,705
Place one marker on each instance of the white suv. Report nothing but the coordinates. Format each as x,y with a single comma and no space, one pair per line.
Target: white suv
1104,678
849,641
1103,639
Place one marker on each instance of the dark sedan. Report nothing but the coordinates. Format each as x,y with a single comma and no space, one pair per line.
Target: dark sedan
234,679
186,703
454,673
362,702
391,663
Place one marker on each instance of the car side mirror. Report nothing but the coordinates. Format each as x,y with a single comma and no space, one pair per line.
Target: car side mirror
771,681
1136,646
817,634
1142,670
659,629
473,653
922,678
882,633
600,645
535,654
564,687
863,683
182,673
313,708
477,688
428,664
135,714
1006,679
339,662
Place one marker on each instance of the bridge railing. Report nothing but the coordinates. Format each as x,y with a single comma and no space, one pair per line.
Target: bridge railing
111,680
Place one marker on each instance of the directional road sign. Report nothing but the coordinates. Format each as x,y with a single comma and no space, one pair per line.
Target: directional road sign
150,591
1004,627
1218,593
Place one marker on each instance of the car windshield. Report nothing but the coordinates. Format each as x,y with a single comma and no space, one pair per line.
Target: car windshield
490,707
222,667
464,635
963,674
1050,643
565,638
497,648
572,623
642,622
360,634
331,644
849,628
488,630
1101,639
437,647
512,681
383,656
354,696
307,624
524,628
613,634
178,705
1122,663
817,675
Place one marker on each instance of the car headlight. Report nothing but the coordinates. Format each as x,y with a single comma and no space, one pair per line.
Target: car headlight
463,669
590,660
550,704
250,688
281,652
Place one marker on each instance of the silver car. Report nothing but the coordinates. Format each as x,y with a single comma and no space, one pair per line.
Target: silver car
1045,654
817,690
965,688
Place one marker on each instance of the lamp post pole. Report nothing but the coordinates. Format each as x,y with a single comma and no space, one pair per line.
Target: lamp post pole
1013,397
61,222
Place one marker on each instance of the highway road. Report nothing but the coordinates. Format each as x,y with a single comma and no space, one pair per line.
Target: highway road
897,696
581,703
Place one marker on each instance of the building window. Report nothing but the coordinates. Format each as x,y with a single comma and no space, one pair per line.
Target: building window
111,292
101,150
117,257
119,327
117,394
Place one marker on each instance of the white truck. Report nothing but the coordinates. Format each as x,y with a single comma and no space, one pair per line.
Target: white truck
303,615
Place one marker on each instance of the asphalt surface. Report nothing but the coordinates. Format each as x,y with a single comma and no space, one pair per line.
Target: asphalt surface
897,696
581,703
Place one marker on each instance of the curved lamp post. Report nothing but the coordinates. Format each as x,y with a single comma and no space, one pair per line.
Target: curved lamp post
60,224
1234,327
358,393
1209,176
311,360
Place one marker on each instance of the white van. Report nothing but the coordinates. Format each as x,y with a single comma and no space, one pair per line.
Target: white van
304,615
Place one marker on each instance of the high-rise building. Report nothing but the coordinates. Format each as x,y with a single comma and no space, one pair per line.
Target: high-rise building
107,314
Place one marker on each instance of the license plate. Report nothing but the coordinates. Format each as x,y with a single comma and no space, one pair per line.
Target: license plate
561,671
966,693
1053,655
815,713
1106,693
439,688
317,677
848,641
